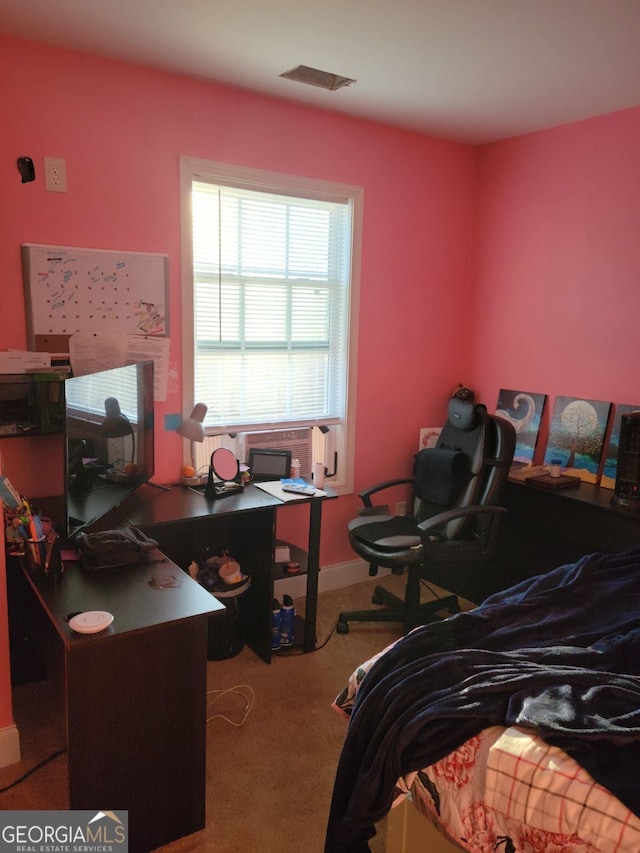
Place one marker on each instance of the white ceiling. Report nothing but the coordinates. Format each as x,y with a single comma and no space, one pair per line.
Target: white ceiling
468,70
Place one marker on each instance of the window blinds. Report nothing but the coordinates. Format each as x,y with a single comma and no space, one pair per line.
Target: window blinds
89,395
271,297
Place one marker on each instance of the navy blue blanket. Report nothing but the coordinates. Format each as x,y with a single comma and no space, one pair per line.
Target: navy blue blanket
559,653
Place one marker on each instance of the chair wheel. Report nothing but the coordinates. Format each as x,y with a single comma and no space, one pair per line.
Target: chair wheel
375,599
342,628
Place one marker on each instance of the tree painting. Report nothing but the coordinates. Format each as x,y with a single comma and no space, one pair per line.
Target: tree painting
577,434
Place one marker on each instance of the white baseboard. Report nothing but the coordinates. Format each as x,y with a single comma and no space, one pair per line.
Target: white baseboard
331,577
9,745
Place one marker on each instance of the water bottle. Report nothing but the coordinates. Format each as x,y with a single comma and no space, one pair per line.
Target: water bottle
276,625
287,621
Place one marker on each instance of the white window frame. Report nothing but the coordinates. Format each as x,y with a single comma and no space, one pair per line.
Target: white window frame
342,440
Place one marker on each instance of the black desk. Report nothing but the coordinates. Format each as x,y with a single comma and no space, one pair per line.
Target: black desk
185,524
544,529
135,694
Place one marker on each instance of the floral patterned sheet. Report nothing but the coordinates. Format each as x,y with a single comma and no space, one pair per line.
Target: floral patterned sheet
506,790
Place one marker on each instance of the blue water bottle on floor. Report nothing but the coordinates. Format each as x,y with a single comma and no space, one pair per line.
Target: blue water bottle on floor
276,625
287,621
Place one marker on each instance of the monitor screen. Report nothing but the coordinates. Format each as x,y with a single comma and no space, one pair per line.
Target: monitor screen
109,439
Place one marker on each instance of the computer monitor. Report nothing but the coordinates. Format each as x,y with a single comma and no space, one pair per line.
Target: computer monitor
109,441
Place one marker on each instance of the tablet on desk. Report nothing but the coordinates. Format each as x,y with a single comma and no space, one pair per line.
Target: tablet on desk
269,464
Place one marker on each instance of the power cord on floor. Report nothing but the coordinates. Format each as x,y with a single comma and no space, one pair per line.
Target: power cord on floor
33,770
431,589
287,652
249,698
323,644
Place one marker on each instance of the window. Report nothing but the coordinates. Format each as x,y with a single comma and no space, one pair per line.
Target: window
270,289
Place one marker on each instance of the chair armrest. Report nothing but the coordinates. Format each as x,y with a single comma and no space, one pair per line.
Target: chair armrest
459,512
430,524
366,494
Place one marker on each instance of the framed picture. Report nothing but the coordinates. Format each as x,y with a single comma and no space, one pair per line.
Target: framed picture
610,464
524,410
576,436
429,437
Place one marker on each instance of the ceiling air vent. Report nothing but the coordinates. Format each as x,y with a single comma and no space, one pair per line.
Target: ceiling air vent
314,77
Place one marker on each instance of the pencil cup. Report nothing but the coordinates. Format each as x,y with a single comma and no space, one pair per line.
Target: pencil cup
36,549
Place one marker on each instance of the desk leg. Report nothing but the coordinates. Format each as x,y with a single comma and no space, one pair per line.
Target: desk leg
313,568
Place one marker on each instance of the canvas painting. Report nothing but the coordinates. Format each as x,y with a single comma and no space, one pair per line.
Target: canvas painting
608,478
524,410
428,437
576,436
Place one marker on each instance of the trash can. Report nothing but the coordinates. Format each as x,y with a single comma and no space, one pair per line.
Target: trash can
225,638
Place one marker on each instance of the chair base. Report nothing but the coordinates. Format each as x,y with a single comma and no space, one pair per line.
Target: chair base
396,610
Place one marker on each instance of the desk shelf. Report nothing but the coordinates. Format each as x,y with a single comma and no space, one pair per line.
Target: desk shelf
185,523
32,404
297,556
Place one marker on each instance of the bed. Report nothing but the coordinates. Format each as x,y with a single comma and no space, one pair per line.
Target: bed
514,727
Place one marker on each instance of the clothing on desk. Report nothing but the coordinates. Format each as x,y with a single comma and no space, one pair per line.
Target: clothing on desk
113,548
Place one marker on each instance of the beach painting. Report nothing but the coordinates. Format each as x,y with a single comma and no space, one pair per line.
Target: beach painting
524,410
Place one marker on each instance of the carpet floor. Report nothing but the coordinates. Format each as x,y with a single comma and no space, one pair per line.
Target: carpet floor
273,740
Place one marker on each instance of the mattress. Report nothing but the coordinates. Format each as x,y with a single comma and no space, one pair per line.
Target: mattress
505,789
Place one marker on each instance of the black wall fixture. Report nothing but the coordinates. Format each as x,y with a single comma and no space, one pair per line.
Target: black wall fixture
27,169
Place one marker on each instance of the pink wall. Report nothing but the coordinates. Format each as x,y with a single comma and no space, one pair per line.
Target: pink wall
557,264
555,298
121,130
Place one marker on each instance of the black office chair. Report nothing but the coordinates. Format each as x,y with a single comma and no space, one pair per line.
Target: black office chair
455,519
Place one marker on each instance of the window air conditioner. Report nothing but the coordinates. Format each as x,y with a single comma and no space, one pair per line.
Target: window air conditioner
298,441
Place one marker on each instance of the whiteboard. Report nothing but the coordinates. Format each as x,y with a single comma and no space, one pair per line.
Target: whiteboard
69,290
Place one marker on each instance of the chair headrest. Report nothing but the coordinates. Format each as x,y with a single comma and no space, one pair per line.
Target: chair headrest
462,414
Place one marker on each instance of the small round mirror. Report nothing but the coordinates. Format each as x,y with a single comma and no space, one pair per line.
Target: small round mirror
225,465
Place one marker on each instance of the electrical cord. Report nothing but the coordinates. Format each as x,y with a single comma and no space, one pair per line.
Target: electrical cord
251,697
335,627
452,608
34,769
238,690
431,589
323,644
288,652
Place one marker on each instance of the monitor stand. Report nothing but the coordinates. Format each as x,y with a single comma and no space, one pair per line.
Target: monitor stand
157,486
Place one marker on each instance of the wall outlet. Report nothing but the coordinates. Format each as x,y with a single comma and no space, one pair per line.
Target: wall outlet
401,508
55,175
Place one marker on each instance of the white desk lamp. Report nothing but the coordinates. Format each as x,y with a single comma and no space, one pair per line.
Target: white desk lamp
193,426
193,429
